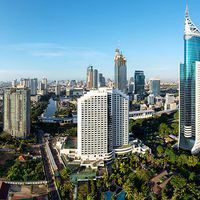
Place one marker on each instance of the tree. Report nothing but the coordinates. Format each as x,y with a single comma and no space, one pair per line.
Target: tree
65,173
176,115
164,130
128,190
192,161
160,150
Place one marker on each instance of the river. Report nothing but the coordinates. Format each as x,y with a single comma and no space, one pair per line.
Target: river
51,109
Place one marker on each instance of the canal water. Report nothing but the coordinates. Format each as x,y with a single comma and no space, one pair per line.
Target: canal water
51,109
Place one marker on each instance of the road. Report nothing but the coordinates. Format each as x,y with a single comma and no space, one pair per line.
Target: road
169,111
53,192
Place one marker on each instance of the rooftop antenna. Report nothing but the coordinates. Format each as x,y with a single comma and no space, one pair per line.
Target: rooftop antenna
187,10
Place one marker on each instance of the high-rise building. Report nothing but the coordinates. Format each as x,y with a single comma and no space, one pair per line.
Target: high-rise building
103,118
139,79
120,81
102,82
44,81
189,89
24,82
154,86
90,77
14,83
33,86
95,79
17,112
41,90
57,88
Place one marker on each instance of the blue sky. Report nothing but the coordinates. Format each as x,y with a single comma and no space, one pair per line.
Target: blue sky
60,38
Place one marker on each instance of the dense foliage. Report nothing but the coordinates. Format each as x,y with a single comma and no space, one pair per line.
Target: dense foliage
134,173
38,108
30,170
64,185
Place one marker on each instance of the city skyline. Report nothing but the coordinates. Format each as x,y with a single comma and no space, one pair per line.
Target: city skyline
86,34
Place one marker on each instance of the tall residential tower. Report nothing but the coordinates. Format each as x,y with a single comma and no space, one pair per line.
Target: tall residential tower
189,130
17,112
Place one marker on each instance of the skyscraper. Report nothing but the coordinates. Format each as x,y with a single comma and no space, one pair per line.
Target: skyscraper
24,82
90,77
103,117
102,82
139,80
95,79
189,89
57,89
120,81
33,86
154,86
44,81
17,112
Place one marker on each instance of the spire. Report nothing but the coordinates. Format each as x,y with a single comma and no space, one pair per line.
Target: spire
186,11
190,28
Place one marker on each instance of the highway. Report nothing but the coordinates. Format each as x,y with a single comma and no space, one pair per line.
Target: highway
49,175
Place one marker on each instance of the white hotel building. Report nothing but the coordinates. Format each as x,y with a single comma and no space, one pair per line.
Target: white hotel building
103,123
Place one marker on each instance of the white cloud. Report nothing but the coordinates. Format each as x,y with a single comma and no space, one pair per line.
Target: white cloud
55,50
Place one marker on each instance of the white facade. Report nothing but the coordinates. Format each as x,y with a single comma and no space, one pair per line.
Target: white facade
102,123
17,112
142,114
196,147
151,99
169,101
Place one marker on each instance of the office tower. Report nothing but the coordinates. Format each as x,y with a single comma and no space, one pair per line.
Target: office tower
120,81
139,79
90,77
102,82
17,112
103,118
33,86
57,88
154,86
189,89
95,79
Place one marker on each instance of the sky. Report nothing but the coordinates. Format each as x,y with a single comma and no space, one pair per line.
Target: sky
58,39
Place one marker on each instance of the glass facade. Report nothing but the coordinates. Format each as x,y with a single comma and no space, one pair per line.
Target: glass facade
139,83
155,87
188,79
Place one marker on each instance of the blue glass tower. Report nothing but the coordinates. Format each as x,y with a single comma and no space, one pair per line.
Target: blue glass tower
189,130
